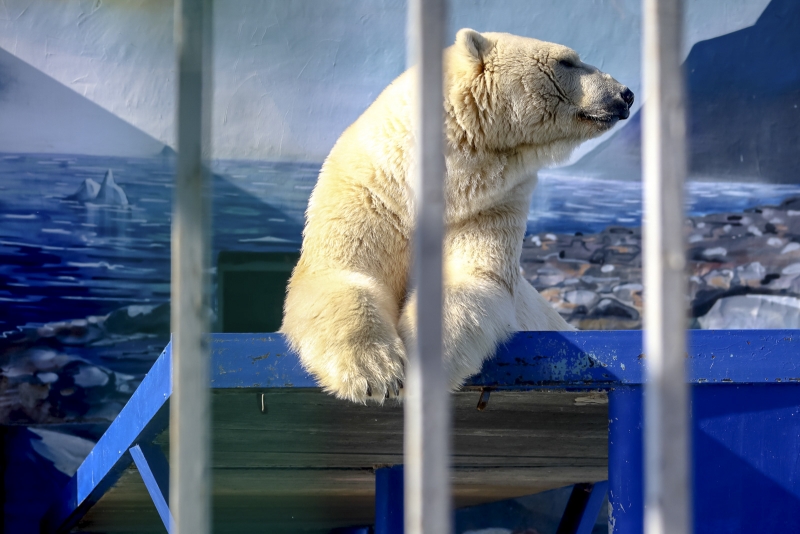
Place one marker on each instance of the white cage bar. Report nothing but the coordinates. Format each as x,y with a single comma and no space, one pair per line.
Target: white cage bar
427,402
667,451
190,457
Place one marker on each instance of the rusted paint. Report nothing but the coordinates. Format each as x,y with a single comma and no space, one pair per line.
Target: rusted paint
483,400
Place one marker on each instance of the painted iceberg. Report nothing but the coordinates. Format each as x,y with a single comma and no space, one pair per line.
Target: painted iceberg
107,192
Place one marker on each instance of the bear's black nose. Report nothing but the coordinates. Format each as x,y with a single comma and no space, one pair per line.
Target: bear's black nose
627,96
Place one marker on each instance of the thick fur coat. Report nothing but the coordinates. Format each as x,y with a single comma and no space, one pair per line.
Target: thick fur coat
512,106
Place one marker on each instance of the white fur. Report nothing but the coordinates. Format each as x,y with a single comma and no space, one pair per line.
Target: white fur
511,108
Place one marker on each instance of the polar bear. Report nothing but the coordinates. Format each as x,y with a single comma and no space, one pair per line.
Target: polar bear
512,106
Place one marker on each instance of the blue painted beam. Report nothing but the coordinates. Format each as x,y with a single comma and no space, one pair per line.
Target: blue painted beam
583,507
540,359
154,470
589,359
589,518
257,361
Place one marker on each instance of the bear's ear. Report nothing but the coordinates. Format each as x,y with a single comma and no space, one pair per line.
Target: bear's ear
473,43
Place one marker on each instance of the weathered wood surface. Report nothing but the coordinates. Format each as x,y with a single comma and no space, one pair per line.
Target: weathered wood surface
306,465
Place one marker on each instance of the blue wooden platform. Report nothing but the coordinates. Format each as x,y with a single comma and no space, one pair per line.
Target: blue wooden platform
746,433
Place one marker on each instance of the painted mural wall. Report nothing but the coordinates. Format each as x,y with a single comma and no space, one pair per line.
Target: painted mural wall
86,124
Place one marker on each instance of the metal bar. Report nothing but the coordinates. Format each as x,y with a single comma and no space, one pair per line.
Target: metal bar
576,506
189,408
154,470
389,500
667,451
427,404
582,509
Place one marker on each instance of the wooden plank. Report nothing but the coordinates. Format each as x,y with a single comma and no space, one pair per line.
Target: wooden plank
306,428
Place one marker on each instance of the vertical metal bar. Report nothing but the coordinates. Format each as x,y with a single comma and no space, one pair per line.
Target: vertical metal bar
427,404
189,405
667,450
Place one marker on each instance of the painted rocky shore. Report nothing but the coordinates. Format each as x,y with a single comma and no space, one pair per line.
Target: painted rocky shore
79,371
744,271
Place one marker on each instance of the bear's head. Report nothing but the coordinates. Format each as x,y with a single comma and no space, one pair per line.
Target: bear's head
505,92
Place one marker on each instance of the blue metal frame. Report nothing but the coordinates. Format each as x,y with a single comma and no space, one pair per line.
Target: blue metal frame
140,421
583,507
745,442
530,360
154,470
625,460
389,511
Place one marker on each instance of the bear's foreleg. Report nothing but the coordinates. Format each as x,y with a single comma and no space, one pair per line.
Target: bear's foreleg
342,324
478,314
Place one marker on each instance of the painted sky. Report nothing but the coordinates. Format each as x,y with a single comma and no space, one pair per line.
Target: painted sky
743,114
39,114
290,75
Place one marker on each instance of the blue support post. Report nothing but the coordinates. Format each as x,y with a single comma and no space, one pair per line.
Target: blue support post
154,469
625,461
389,490
582,509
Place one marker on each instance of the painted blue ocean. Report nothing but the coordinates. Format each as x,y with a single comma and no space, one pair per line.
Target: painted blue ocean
62,259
